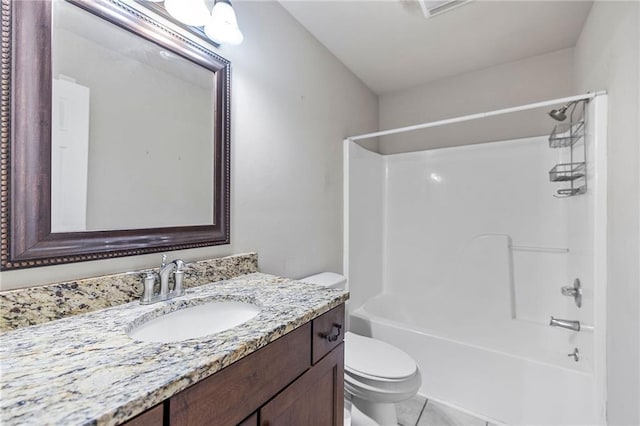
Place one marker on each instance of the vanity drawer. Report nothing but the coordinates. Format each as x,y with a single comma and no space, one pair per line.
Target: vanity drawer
327,332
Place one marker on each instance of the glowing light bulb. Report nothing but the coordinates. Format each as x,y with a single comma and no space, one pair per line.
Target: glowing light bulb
223,25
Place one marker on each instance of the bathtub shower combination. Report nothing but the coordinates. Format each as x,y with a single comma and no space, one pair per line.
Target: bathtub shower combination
461,256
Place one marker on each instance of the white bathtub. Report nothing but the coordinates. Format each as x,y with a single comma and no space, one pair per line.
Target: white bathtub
504,370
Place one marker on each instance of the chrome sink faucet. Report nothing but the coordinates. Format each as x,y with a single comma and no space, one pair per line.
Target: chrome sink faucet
149,294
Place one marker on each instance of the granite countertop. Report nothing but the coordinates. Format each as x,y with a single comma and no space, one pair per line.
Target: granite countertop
86,370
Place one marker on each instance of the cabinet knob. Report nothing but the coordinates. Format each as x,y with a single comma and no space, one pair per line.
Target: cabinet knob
333,337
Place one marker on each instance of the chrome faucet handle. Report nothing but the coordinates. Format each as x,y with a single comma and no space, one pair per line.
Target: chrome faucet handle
148,284
574,291
575,354
178,278
164,261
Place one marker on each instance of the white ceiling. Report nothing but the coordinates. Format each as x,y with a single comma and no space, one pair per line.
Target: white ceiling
390,46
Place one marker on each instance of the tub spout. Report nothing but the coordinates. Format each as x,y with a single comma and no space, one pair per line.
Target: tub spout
569,324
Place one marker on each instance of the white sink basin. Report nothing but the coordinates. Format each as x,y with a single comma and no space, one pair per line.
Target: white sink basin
195,321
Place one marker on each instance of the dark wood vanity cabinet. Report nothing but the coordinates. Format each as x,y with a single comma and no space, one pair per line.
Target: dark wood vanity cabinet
152,417
297,380
314,399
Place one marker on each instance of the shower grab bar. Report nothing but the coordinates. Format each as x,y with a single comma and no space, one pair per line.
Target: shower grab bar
517,247
540,249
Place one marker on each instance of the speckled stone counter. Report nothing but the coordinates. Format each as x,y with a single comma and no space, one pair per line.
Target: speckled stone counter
84,369
37,305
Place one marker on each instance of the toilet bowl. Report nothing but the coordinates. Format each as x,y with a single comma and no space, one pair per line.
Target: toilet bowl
377,375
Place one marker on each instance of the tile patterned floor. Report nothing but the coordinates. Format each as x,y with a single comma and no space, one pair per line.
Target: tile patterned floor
418,411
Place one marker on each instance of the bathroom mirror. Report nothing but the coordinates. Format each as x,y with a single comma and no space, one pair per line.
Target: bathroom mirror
117,137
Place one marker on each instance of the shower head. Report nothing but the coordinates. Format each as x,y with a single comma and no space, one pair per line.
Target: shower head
560,113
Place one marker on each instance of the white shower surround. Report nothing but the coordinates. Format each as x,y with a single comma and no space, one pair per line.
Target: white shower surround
457,256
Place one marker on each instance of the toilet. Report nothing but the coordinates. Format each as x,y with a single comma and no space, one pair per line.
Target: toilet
377,375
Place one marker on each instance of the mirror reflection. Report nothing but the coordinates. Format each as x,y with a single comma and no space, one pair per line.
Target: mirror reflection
132,130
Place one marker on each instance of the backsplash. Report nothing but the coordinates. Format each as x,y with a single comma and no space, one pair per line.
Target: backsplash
37,305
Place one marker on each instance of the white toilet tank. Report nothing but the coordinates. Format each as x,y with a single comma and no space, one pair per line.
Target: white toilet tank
327,279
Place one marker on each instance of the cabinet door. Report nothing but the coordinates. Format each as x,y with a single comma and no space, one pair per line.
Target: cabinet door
315,399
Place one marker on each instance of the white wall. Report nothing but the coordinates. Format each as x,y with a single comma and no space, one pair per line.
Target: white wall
607,57
292,104
533,79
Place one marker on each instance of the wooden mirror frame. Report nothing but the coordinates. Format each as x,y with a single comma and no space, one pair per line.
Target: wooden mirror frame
26,239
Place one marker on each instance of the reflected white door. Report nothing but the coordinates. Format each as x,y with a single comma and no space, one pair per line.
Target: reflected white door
69,156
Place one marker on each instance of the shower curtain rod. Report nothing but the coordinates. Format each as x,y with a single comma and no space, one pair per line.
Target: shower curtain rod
478,115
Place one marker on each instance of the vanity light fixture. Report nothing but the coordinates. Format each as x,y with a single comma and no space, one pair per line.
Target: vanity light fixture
220,25
223,25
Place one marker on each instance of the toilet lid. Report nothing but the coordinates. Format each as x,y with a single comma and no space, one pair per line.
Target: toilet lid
376,358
